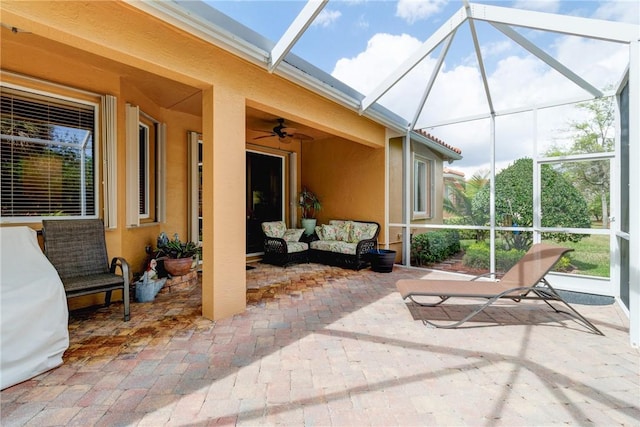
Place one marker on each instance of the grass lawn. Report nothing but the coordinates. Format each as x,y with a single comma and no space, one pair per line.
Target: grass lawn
590,256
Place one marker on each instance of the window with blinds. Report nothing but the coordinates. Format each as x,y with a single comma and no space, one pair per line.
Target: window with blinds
47,154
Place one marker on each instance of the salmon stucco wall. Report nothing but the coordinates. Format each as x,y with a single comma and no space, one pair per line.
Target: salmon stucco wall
348,178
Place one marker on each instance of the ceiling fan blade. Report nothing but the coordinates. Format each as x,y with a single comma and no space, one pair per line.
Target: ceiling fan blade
262,131
271,135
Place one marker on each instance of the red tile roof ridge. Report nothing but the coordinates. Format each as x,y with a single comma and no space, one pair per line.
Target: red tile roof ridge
439,141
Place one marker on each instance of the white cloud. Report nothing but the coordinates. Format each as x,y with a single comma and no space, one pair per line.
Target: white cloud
550,6
383,55
518,79
326,17
619,10
415,10
496,48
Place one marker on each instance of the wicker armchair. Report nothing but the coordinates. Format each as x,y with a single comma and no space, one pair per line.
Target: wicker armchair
78,251
282,246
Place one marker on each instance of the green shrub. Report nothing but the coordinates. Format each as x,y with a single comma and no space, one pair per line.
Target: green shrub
477,256
466,234
564,264
434,246
507,259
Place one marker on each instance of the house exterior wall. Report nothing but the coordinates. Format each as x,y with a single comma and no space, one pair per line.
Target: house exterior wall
396,172
113,48
348,178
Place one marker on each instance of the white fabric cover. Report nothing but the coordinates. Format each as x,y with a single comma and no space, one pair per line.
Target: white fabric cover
33,309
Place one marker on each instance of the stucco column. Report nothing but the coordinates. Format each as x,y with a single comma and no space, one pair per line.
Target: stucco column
223,205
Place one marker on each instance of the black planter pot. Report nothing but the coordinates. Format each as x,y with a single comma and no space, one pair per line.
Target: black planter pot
382,260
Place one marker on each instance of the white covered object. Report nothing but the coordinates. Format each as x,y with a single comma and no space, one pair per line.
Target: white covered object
33,309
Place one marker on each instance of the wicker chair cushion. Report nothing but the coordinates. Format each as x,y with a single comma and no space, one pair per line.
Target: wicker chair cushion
335,246
329,232
343,229
293,247
362,231
293,234
274,228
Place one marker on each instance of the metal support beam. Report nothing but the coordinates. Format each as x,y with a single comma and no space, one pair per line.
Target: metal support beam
406,198
634,193
427,47
432,79
483,72
295,31
548,59
584,27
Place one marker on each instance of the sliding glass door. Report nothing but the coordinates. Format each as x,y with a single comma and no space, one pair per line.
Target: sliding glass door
265,195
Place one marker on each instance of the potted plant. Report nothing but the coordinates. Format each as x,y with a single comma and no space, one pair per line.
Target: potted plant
177,256
310,204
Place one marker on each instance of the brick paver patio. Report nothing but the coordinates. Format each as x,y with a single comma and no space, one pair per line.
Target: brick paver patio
322,346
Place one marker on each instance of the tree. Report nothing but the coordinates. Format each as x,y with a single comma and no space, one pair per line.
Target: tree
594,135
562,205
459,202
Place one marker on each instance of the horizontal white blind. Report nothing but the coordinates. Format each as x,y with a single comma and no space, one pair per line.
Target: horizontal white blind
47,155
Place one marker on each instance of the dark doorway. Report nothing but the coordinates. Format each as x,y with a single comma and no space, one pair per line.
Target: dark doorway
264,196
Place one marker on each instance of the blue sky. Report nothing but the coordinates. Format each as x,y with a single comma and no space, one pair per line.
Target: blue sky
361,42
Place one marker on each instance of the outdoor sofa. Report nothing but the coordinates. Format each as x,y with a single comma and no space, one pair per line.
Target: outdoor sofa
344,243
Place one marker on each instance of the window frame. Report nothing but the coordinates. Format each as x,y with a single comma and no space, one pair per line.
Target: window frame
144,170
64,95
427,187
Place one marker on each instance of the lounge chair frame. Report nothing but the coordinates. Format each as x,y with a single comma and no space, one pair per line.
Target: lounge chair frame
535,287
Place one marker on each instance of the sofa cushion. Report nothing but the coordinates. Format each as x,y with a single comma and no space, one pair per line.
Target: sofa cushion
343,230
293,234
362,231
329,232
296,247
274,228
335,246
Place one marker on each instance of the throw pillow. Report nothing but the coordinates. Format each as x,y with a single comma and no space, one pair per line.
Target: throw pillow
274,228
362,231
319,232
293,234
329,232
342,232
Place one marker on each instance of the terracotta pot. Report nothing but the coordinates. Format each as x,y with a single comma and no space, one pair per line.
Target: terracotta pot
178,266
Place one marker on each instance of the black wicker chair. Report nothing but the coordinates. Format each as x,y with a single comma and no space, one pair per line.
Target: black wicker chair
283,250
277,253
78,251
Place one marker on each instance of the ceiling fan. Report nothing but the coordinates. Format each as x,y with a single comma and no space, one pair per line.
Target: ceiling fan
284,133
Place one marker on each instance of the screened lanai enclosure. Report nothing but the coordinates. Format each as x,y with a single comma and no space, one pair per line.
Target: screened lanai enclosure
546,156
564,175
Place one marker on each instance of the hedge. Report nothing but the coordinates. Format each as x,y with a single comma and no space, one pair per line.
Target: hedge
434,246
